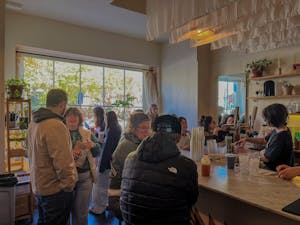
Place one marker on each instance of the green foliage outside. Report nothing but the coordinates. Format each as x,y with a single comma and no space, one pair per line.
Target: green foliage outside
97,88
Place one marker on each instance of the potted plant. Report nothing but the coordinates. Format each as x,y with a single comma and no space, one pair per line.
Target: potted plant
257,67
125,103
15,87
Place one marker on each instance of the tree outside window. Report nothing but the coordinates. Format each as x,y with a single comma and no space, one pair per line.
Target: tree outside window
86,84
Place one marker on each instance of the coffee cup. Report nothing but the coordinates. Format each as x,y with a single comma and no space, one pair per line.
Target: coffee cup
230,159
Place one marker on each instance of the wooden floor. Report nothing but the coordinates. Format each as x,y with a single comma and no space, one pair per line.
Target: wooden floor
107,219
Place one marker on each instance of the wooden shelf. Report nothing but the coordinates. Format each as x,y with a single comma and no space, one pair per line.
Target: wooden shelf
19,100
17,139
273,97
24,204
17,152
291,74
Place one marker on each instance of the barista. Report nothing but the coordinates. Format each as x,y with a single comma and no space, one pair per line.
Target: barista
279,145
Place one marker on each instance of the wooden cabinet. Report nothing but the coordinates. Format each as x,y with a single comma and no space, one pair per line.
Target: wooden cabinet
24,202
18,116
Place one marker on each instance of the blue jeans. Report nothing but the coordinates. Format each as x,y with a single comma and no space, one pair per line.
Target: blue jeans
55,208
100,192
82,194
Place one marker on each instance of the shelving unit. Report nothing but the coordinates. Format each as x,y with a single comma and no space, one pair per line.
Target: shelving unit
273,97
275,76
16,134
16,130
295,73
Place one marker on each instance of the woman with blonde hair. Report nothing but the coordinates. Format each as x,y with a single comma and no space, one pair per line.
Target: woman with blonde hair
138,128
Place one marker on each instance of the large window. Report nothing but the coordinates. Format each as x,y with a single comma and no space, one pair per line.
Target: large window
232,93
87,84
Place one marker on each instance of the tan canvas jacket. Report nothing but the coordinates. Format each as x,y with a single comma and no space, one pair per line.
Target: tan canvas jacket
52,167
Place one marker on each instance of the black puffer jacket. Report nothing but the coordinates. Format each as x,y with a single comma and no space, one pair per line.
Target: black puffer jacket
159,185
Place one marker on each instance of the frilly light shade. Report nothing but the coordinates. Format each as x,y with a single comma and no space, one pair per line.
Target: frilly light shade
244,25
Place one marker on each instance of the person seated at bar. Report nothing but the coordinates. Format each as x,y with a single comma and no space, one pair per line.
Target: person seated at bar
211,131
224,129
279,145
138,127
287,172
208,124
159,185
184,142
228,120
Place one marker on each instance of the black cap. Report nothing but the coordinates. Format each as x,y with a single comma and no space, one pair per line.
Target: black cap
168,124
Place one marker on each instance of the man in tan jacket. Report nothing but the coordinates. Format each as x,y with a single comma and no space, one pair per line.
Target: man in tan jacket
52,168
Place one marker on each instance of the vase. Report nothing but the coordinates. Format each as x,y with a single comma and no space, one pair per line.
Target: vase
287,90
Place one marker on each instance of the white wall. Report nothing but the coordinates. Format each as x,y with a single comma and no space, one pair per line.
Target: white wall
58,36
179,81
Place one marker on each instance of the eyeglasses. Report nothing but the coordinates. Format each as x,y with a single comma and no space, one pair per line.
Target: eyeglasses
144,128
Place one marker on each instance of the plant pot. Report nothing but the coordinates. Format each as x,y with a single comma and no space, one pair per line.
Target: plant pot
15,91
256,73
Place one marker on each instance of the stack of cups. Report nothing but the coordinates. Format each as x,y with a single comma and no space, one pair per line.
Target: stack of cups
212,146
244,163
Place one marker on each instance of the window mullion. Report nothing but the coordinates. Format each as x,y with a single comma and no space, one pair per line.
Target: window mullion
53,73
124,92
103,89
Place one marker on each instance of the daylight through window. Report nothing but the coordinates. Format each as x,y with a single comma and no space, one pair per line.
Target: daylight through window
87,84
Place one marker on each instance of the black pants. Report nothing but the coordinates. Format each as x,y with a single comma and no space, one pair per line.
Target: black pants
114,206
54,209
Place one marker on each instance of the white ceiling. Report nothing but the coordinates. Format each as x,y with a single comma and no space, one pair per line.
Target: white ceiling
99,14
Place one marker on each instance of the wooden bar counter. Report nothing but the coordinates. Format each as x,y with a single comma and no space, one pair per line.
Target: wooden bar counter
239,199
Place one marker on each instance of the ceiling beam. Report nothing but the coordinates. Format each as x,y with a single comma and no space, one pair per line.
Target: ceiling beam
133,5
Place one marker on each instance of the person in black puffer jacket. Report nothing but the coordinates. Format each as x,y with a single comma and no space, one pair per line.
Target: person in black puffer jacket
159,185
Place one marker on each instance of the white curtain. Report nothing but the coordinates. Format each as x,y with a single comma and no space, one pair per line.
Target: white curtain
151,88
20,65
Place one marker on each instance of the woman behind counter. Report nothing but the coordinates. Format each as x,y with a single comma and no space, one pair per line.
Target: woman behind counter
85,147
184,142
279,144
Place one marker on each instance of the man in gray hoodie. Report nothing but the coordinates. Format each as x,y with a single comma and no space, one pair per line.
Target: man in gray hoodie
52,168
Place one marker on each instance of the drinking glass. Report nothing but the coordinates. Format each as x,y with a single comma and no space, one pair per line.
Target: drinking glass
253,165
212,146
244,163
